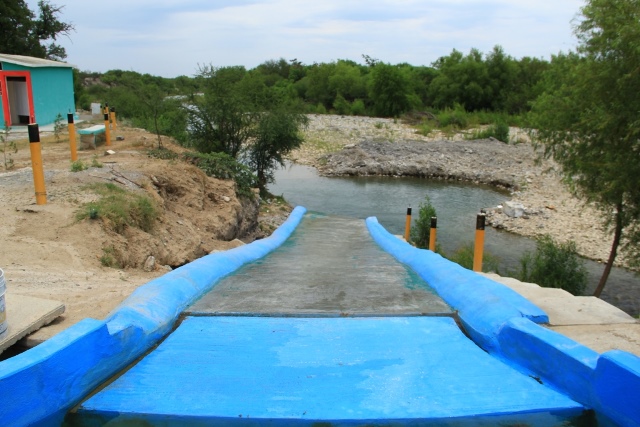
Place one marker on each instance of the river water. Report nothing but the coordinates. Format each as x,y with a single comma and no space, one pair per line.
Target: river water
456,204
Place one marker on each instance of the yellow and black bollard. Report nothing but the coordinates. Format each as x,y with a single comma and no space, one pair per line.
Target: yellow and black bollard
479,246
107,129
407,226
114,124
36,164
72,137
432,234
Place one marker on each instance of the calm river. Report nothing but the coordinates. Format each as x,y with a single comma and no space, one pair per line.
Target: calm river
456,204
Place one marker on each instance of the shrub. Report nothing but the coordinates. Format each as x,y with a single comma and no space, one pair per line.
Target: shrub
422,228
119,208
78,166
358,108
456,117
554,265
223,166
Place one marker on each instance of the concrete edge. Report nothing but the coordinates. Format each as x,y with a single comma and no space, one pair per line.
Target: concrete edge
506,327
41,312
41,384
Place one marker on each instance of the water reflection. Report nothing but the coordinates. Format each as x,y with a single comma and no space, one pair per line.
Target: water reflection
457,205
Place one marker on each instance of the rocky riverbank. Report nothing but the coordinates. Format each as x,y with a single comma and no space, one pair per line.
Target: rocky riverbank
338,145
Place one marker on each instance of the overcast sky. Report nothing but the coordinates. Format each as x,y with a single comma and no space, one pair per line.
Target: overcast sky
172,37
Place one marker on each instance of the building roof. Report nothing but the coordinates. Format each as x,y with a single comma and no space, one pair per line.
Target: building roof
30,61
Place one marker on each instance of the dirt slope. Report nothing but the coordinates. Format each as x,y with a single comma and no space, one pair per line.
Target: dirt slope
46,252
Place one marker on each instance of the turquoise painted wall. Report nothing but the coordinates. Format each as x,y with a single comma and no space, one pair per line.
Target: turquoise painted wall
52,92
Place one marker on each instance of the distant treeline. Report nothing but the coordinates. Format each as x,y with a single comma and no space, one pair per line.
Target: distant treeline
492,82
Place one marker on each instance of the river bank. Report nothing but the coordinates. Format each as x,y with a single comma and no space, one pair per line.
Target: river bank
361,146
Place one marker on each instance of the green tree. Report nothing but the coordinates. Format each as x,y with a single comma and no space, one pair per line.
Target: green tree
587,119
554,265
277,132
21,33
221,120
390,90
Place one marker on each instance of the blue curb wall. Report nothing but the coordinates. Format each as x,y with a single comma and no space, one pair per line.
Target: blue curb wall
506,325
40,385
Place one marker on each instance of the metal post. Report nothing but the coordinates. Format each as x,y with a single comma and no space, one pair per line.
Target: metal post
407,226
107,130
113,119
432,234
479,246
36,164
72,137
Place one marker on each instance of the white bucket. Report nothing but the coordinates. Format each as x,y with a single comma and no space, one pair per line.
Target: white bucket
3,314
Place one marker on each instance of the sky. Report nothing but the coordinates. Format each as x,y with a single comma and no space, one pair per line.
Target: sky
175,37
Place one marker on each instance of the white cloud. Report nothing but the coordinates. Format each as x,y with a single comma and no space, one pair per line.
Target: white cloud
171,37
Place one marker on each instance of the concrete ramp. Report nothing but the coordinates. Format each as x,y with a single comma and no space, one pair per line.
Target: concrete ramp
337,371
330,266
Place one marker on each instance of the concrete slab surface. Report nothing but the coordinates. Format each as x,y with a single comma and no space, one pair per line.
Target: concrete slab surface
25,315
602,338
330,266
344,371
585,319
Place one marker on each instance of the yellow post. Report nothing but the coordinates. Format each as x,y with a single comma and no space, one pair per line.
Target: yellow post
113,119
107,131
36,164
479,246
407,226
72,137
432,234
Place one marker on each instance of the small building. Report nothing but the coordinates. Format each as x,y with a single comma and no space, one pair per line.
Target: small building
34,90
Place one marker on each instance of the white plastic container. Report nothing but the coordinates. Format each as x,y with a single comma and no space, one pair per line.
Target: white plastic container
3,314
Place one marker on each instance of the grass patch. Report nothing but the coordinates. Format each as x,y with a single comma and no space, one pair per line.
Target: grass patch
464,256
119,208
499,131
108,258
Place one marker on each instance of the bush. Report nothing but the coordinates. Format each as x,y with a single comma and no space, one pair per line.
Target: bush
78,166
223,166
422,228
456,117
358,108
554,265
464,256
120,209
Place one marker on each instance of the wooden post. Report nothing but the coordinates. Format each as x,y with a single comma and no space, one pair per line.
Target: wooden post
36,164
407,226
107,130
72,137
479,245
432,234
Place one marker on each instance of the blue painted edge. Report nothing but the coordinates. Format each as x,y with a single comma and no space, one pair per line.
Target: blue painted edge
40,385
507,325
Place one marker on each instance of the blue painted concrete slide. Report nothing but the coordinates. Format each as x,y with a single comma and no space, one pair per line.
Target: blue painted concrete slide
506,325
40,385
342,371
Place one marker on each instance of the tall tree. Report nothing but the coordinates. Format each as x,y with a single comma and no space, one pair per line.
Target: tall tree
587,119
390,90
21,33
276,134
